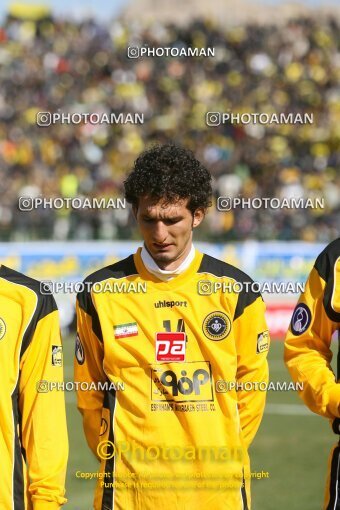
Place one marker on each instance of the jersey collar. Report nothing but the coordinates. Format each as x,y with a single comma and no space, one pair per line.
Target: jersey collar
174,282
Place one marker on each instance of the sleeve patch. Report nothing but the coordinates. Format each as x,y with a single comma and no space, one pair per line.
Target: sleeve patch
57,355
301,319
80,352
262,342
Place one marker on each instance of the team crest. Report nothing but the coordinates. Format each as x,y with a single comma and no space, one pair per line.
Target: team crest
80,353
2,328
216,326
301,319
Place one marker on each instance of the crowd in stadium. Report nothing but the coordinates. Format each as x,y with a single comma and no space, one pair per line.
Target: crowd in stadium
58,65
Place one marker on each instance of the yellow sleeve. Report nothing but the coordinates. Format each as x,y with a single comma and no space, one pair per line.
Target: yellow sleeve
307,346
88,367
252,340
44,430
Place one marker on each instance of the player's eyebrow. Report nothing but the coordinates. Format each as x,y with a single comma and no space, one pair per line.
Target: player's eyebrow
146,216
172,218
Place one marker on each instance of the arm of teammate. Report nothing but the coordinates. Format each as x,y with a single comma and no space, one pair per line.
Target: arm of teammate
44,430
88,367
307,350
252,343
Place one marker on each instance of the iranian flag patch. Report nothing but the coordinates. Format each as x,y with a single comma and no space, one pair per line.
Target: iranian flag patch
125,330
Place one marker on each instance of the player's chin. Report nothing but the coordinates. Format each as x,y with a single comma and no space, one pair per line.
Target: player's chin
164,256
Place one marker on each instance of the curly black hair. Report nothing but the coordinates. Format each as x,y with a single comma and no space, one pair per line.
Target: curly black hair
171,173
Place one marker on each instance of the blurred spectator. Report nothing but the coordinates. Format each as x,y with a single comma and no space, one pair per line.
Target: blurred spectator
52,65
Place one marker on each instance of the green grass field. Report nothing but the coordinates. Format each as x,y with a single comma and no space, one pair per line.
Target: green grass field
292,445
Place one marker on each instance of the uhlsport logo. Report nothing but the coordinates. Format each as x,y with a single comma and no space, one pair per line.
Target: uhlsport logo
216,326
170,304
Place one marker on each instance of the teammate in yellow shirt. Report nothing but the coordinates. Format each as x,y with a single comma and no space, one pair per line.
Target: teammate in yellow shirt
170,325
33,434
308,351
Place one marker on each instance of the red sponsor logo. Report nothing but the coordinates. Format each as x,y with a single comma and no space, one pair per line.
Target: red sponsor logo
170,346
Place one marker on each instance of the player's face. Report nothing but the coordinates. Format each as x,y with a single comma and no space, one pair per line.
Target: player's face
167,229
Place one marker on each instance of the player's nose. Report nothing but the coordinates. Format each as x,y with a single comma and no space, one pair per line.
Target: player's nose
160,232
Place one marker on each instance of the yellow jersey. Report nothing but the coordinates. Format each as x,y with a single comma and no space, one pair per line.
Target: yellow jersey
316,317
33,434
181,360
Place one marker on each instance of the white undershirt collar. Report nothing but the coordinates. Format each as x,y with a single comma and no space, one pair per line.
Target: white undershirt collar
163,274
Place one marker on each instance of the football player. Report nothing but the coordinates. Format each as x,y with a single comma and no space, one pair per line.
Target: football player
188,345
33,433
308,351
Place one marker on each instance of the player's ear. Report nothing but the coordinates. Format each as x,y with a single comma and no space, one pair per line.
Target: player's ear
198,217
134,211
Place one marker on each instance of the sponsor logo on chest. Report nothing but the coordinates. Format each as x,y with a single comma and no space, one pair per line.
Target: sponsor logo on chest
170,346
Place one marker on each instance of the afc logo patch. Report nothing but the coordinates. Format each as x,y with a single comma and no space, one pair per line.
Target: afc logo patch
301,319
